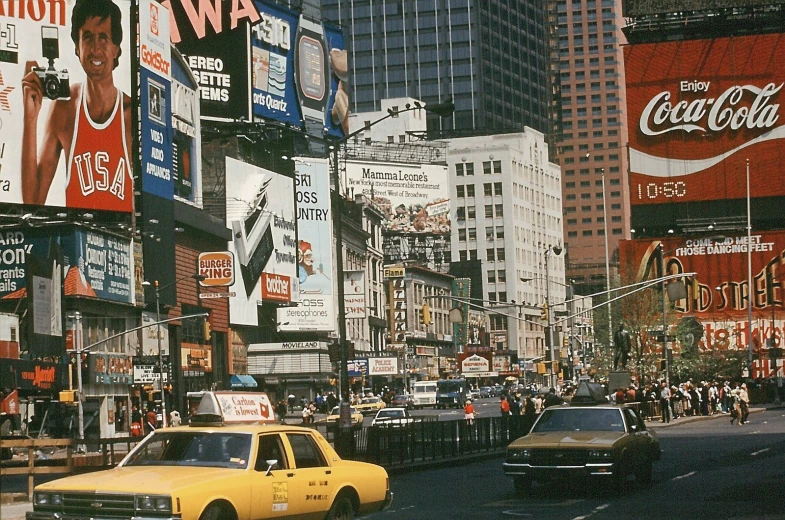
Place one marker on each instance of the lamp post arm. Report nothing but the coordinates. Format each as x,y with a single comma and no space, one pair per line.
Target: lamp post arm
120,334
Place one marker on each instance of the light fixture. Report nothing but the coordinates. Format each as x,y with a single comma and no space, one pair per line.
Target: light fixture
153,221
87,216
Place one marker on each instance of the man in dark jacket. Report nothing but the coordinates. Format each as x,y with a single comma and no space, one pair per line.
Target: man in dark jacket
552,399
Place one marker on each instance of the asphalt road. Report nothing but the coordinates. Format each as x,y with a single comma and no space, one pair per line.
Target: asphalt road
709,469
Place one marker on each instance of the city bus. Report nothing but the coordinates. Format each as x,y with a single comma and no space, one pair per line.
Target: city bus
424,394
451,393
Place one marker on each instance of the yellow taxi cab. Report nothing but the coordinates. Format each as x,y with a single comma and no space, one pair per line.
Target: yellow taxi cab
370,405
233,462
335,416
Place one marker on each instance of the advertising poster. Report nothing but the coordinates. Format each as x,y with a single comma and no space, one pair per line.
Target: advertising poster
151,333
45,304
316,309
96,265
398,317
260,214
215,47
187,132
461,288
156,99
384,366
354,294
274,76
414,198
58,146
718,295
698,109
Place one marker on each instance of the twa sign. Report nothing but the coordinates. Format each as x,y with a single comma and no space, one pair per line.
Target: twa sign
698,110
276,287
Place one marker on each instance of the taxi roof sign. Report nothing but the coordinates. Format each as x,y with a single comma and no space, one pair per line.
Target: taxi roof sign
234,408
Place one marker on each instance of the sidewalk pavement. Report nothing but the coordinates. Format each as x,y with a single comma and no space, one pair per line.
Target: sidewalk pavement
657,424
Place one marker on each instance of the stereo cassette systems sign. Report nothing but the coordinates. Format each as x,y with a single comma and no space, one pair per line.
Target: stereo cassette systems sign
698,109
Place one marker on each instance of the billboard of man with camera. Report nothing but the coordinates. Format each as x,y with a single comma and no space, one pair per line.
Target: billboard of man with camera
90,121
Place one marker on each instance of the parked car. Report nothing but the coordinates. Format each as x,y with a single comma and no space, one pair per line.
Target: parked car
233,461
597,441
485,392
403,401
497,390
369,405
392,417
474,394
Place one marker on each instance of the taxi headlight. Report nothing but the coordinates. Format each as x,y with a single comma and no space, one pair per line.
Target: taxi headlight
159,503
48,499
601,454
520,454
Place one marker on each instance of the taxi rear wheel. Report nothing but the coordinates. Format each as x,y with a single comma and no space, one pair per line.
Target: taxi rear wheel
342,509
218,512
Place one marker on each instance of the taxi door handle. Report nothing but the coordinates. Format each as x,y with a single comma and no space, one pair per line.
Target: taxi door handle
328,472
290,474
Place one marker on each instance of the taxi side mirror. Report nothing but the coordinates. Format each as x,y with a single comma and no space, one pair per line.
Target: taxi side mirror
271,464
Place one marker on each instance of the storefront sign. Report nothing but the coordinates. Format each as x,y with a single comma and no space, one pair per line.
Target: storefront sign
217,268
148,375
106,369
382,366
276,287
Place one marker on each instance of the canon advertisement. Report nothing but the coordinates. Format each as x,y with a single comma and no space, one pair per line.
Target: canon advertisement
414,198
260,213
718,295
315,276
65,105
698,110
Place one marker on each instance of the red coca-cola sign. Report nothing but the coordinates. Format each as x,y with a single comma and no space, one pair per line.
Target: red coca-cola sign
276,287
698,110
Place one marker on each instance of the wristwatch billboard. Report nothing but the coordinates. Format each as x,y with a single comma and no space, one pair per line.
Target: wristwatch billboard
310,68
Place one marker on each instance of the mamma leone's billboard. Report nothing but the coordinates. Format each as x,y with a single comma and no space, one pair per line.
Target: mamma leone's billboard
413,197
698,109
718,295
260,213
65,105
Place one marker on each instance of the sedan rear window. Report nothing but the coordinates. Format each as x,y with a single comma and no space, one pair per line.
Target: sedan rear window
587,419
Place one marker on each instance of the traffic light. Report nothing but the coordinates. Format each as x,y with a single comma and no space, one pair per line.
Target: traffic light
544,312
425,314
208,332
541,368
67,396
556,368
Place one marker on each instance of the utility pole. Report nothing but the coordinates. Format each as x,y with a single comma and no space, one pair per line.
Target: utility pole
78,341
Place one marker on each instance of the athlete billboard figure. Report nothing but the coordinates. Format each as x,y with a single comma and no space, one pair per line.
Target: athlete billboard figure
93,125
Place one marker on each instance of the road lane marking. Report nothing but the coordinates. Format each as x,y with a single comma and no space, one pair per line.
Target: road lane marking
756,453
691,473
595,510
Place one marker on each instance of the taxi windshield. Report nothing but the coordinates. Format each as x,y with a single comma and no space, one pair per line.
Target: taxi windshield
210,449
586,419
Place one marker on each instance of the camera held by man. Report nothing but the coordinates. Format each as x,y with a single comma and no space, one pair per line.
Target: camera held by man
55,82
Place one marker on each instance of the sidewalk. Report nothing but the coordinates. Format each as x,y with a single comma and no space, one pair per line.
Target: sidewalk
656,424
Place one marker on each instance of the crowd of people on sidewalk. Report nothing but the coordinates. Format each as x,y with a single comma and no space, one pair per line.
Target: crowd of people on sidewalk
687,399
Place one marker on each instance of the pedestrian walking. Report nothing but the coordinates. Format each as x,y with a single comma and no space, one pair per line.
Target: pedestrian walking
665,403
291,398
736,403
175,419
744,404
469,412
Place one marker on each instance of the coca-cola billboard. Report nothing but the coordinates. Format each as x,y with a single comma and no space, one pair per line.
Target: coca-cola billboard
698,110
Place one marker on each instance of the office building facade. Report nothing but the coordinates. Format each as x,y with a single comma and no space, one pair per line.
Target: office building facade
591,135
490,57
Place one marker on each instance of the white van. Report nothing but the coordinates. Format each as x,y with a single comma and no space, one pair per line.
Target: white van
424,394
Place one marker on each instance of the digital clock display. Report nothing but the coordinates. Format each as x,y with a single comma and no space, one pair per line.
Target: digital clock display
661,190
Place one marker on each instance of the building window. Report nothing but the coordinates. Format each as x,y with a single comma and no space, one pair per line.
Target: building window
461,213
587,232
489,211
497,166
486,167
470,190
472,233
570,234
462,256
471,212
390,139
503,296
473,254
502,276
460,192
461,235
500,253
402,138
489,233
459,169
500,232
469,168
500,210
491,276
497,188
490,254
488,189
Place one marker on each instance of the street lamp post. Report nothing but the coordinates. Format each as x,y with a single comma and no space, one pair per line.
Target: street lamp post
549,315
345,420
197,277
607,258
664,319
78,343
749,273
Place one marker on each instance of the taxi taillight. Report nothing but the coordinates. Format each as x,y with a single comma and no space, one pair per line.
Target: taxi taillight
388,483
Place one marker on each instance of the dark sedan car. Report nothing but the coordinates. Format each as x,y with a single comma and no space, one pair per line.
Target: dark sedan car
403,401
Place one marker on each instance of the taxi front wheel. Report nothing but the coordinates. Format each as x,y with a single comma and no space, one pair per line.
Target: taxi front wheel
219,512
342,509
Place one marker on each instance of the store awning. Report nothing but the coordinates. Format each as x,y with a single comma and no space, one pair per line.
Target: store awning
243,381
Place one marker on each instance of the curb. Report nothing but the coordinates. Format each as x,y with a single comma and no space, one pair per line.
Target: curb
685,420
